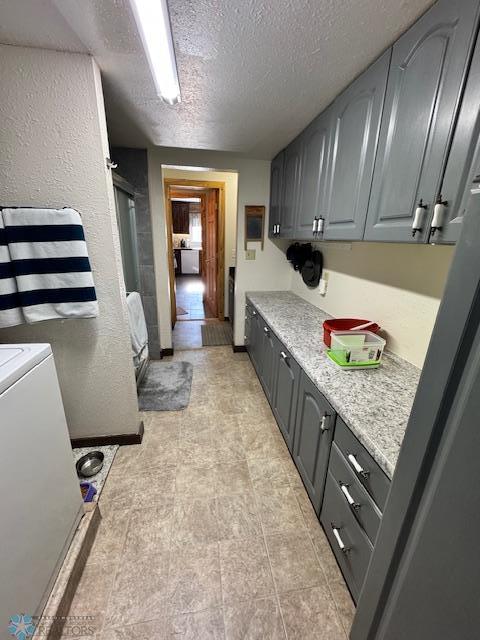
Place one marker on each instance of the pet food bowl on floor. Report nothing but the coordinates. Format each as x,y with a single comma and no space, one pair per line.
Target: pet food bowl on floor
90,464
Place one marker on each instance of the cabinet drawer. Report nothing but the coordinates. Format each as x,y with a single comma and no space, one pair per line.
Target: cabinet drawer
353,559
363,465
363,508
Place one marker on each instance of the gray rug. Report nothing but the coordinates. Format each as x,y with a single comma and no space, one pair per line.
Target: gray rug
215,334
166,386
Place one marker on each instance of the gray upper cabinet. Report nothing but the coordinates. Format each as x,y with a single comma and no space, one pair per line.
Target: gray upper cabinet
285,394
314,427
315,148
427,73
291,186
463,161
356,116
276,183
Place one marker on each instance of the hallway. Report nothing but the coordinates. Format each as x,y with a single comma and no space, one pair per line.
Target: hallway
207,530
189,292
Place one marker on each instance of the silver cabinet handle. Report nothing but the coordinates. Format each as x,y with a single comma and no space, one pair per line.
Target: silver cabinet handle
320,225
323,423
284,355
358,467
278,229
348,496
266,330
339,540
314,226
254,313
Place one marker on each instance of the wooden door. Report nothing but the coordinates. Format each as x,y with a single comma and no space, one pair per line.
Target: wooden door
356,116
315,146
427,72
210,250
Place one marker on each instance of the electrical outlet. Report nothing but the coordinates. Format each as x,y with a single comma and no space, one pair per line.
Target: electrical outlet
322,285
250,254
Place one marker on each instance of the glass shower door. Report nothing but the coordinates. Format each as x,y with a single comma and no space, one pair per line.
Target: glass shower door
125,206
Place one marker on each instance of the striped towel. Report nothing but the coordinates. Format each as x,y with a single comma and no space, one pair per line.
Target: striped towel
10,311
50,263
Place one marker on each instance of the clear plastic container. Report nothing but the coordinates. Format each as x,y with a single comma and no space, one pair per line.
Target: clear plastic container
355,349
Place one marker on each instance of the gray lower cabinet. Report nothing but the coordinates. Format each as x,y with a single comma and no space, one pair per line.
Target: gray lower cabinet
314,427
356,116
312,191
463,160
285,393
427,72
290,189
276,186
266,357
253,338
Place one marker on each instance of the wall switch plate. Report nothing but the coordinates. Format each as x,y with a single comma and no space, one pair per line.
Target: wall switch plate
250,254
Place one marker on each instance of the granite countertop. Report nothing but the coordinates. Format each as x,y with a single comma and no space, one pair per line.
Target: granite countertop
374,403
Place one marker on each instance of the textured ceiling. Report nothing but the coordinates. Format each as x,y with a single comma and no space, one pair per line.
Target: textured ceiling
253,73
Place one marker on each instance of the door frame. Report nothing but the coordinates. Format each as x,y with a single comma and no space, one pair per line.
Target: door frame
169,184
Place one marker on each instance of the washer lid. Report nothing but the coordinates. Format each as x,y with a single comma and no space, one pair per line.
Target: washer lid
17,359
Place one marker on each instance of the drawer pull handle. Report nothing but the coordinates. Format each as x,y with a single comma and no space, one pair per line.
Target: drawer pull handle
339,540
266,330
358,468
323,423
254,313
284,355
348,496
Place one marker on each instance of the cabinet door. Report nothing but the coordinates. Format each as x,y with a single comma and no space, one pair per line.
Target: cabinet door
276,183
315,147
427,73
290,193
255,341
266,358
313,438
463,161
356,116
285,393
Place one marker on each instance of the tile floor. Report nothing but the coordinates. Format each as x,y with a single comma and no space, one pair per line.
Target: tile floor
207,531
189,294
188,335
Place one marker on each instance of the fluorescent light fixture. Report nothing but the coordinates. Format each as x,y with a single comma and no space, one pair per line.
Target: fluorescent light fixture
153,22
185,199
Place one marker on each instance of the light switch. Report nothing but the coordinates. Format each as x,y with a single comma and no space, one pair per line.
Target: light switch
250,254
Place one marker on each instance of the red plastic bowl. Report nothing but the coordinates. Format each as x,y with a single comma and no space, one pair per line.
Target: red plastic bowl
344,324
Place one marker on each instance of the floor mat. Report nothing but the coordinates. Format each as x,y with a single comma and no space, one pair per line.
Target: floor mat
166,386
216,334
181,311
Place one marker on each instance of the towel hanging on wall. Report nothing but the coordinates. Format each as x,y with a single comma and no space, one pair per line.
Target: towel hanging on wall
49,260
10,311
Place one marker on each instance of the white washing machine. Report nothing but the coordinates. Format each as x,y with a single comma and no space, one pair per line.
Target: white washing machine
41,502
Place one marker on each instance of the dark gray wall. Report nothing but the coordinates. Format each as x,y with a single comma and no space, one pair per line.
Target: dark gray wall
133,166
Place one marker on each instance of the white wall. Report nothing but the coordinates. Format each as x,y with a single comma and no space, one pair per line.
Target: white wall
231,191
269,271
53,149
398,286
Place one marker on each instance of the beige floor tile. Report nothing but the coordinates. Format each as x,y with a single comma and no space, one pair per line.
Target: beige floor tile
195,521
196,482
153,485
139,591
254,620
203,625
92,594
194,580
118,491
233,478
110,538
271,471
294,562
197,450
237,517
278,508
310,615
150,529
245,570
152,630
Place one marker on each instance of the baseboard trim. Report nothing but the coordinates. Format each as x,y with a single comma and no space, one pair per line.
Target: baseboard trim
101,441
166,352
239,348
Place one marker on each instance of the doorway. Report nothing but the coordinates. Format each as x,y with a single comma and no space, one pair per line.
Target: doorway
195,232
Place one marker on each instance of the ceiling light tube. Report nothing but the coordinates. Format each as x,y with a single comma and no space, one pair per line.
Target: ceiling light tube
153,22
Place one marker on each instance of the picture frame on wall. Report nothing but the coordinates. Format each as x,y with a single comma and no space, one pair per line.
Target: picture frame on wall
254,224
